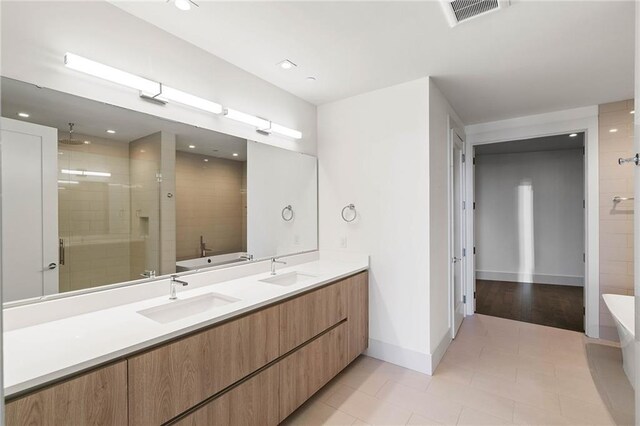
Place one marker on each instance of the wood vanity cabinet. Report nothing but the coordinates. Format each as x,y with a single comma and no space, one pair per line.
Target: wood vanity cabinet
252,370
308,315
172,378
308,369
95,398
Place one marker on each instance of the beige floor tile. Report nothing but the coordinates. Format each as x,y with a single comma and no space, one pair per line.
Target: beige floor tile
470,416
472,397
519,361
585,413
422,403
368,382
367,408
525,414
418,420
485,365
529,393
318,413
454,372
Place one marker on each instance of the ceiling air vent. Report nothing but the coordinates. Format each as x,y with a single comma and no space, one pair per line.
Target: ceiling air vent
458,11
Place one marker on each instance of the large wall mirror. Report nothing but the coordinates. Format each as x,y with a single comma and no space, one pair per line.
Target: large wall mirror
94,195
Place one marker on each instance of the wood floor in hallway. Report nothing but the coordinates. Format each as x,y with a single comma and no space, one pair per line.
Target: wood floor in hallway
558,306
496,372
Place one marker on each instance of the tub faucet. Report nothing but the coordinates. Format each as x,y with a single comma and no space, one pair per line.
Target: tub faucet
203,247
173,284
273,264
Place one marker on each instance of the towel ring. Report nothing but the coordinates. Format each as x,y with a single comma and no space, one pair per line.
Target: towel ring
284,216
353,209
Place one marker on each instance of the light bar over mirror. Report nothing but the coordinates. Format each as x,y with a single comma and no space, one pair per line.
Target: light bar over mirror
153,90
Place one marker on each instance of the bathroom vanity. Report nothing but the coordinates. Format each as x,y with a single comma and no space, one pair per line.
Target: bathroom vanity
249,365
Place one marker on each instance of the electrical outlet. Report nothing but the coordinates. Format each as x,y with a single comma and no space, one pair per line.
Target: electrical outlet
343,242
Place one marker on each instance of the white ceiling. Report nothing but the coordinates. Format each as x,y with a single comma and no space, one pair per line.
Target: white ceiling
533,57
91,118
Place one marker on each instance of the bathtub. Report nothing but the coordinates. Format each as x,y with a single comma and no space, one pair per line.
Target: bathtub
622,309
209,261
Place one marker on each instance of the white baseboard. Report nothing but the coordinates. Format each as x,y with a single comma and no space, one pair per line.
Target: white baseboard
407,358
403,357
536,278
437,355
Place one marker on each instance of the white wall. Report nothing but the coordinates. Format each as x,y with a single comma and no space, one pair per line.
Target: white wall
556,180
441,119
36,35
277,178
373,152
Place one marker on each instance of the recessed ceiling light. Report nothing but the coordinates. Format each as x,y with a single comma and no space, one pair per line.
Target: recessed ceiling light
87,142
311,78
142,151
206,160
286,64
633,111
23,115
573,135
192,146
613,130
182,4
235,154
111,131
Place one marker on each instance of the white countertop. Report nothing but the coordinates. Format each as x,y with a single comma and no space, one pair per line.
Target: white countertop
45,352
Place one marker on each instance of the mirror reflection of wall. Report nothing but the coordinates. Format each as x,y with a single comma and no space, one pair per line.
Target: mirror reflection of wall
211,215
120,195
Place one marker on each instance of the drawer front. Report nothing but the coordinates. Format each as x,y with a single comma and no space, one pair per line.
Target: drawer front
252,403
171,379
358,314
306,316
306,370
96,398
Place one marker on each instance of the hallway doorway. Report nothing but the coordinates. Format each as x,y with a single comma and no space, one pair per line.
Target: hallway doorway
530,230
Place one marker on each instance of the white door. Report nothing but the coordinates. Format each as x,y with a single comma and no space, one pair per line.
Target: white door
457,230
29,209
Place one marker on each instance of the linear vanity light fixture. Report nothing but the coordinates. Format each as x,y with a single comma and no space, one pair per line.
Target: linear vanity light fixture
157,92
111,74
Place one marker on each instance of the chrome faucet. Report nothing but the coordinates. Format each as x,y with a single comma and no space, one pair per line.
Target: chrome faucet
246,256
203,247
173,284
273,264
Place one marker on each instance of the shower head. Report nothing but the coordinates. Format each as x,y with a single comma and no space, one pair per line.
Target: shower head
71,140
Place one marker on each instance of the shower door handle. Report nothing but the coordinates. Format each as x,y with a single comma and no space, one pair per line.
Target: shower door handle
61,251
51,266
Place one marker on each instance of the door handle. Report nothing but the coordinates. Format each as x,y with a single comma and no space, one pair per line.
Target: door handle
61,251
456,259
635,160
52,266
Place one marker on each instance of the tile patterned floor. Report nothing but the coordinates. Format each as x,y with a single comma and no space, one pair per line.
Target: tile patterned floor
496,372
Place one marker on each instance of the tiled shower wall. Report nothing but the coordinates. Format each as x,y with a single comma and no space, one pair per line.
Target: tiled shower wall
94,214
210,201
616,219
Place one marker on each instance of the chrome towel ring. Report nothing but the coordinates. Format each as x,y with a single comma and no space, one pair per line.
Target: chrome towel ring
289,217
353,209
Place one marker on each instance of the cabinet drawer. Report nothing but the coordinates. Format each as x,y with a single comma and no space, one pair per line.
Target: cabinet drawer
306,316
306,370
96,398
358,287
171,379
252,403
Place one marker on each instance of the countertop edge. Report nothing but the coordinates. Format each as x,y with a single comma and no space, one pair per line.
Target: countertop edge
26,387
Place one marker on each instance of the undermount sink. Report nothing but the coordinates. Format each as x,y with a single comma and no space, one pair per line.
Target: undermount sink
182,308
288,278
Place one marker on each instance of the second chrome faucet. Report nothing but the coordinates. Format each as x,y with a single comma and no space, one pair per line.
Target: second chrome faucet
173,285
273,264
